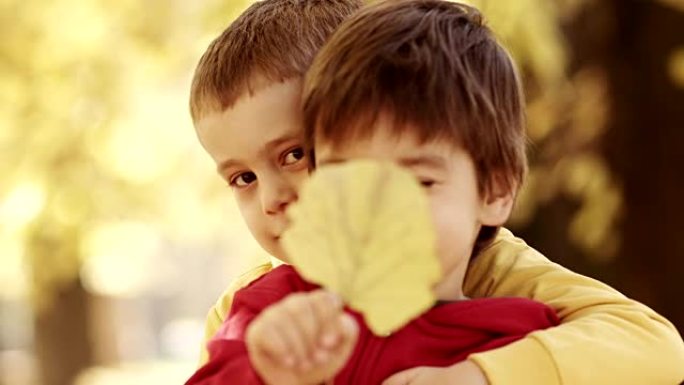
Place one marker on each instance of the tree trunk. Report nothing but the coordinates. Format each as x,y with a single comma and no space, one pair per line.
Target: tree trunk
644,146
632,42
62,345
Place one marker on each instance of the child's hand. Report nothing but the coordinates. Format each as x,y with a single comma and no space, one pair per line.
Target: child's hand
462,373
304,339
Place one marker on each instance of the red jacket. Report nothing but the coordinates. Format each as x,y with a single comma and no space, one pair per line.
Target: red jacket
442,336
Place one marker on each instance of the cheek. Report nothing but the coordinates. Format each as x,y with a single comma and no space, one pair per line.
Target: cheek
256,223
454,228
450,231
299,177
250,210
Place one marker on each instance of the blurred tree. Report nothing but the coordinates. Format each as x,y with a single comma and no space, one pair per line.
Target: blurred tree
86,142
606,163
604,82
644,148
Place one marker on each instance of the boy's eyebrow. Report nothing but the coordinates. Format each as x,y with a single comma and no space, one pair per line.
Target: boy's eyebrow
267,146
409,161
423,160
323,162
225,164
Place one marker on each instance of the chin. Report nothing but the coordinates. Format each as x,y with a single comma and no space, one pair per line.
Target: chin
275,250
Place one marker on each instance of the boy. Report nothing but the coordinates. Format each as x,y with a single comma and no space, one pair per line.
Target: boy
246,107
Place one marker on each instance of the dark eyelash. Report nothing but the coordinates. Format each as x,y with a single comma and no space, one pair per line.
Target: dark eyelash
233,181
293,149
300,149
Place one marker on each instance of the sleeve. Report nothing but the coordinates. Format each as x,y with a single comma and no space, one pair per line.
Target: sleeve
604,337
229,364
218,313
229,361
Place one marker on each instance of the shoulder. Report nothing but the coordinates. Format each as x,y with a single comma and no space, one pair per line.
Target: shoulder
283,275
508,249
507,256
249,277
270,287
507,244
219,312
225,301
505,251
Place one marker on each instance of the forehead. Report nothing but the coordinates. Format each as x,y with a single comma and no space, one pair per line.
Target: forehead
267,114
383,136
382,142
260,95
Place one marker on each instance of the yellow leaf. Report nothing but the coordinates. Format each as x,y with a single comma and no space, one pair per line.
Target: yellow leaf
363,230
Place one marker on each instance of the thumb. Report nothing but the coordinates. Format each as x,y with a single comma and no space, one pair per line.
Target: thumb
404,377
350,332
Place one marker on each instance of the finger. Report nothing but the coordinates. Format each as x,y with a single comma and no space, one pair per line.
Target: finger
349,331
348,325
305,321
332,298
339,355
331,335
295,342
336,332
326,306
269,342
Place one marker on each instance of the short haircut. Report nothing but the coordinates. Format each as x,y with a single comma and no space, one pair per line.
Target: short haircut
436,70
273,39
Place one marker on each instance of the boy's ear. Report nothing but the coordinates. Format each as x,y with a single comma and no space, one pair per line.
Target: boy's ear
497,202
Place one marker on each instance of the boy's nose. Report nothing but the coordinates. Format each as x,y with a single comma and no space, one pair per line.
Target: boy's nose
276,199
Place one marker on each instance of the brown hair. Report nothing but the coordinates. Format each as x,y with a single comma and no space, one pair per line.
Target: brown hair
273,39
436,69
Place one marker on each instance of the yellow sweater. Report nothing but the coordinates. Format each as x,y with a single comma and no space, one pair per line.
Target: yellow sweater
605,338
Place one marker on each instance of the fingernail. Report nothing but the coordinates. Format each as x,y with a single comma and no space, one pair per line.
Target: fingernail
348,323
321,356
335,299
305,365
329,340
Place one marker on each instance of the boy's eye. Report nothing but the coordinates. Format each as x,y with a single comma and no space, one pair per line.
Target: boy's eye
427,183
243,180
293,156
